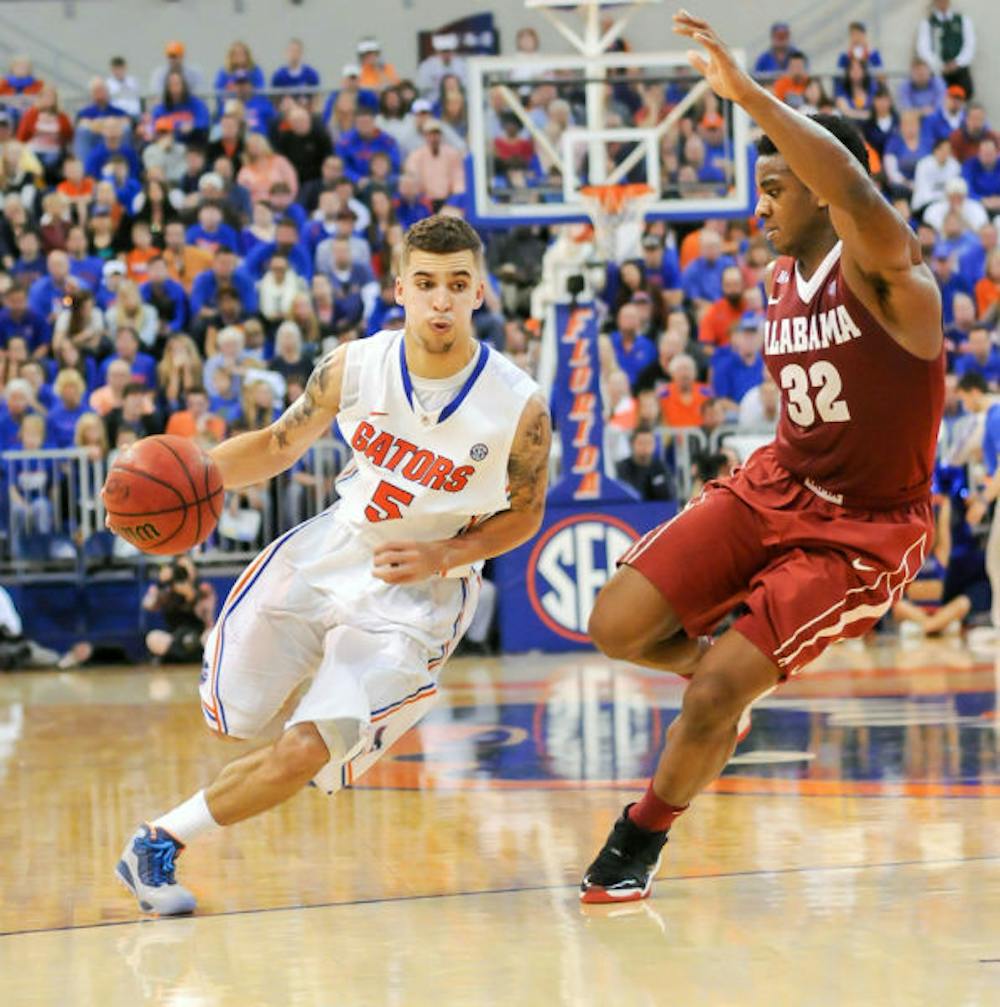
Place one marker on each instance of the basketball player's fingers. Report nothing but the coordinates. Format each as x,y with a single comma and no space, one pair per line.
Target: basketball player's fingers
698,61
685,16
686,24
384,571
393,557
394,574
710,41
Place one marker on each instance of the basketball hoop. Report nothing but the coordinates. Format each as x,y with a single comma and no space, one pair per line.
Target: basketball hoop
618,213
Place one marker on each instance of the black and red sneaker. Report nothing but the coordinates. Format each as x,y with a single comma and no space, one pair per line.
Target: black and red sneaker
623,871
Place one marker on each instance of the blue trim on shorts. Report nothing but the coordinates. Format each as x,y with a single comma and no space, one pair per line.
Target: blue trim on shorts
405,699
275,548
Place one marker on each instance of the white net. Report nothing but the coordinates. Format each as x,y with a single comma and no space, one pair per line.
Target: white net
618,213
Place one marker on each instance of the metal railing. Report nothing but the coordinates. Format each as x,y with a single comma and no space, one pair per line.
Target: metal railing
53,516
680,448
256,516
52,506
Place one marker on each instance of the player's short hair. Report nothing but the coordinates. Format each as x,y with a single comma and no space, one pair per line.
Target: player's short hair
843,129
972,381
441,235
711,466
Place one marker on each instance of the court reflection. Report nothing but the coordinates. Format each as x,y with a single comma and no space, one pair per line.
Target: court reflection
902,724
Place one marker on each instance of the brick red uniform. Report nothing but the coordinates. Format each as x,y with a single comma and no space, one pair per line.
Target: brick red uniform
819,533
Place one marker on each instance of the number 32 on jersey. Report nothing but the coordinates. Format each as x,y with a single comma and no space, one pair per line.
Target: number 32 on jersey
814,394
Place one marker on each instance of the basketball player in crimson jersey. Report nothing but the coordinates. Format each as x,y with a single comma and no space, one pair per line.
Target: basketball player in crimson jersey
366,601
819,533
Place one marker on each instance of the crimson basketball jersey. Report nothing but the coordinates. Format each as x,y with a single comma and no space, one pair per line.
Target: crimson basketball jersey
860,414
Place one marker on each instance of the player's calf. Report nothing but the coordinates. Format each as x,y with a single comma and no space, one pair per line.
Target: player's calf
268,777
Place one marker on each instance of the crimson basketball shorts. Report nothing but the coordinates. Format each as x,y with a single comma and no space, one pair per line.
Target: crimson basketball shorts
808,571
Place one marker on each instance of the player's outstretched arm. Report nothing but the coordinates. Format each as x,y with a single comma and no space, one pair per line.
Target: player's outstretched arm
261,454
527,474
881,254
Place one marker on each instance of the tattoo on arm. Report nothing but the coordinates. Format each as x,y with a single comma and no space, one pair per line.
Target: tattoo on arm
527,469
305,407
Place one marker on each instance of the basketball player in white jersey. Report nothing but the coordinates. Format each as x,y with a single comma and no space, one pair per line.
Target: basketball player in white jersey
368,599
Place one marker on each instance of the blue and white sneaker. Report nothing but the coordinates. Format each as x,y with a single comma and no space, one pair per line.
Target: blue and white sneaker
146,868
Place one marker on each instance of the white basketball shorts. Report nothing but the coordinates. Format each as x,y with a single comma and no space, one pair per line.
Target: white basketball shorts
308,607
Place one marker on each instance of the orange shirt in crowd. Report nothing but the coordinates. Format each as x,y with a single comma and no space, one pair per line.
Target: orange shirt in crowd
378,76
874,159
183,424
690,248
76,190
987,294
784,86
718,321
681,410
187,265
626,415
137,263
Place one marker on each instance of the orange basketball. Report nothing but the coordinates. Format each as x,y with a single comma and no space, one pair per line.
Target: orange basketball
164,495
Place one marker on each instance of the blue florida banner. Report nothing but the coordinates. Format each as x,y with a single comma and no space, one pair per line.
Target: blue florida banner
577,410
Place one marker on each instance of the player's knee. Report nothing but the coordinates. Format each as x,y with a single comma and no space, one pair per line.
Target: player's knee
712,702
605,629
301,752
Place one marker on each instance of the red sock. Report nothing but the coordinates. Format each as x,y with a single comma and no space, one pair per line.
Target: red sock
652,814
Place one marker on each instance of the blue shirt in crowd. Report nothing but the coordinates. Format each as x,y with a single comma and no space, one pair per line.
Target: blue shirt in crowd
285,76
205,290
30,327
990,370
636,357
732,378
703,279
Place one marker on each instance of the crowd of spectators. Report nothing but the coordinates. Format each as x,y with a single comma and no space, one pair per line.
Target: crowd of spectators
175,259
177,262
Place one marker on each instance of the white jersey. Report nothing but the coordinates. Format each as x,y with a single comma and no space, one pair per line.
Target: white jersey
424,475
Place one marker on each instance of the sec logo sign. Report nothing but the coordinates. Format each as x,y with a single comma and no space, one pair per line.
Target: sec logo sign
569,565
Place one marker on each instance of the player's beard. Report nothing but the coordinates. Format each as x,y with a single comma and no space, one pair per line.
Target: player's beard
438,342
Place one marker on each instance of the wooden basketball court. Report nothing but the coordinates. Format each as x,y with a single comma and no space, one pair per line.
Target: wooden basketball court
849,856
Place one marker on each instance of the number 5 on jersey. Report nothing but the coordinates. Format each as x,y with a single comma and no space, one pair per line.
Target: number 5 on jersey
387,501
823,379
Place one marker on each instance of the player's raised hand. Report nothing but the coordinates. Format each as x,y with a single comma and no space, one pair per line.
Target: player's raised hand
408,562
724,75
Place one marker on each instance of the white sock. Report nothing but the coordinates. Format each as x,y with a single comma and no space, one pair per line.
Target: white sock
189,820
